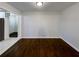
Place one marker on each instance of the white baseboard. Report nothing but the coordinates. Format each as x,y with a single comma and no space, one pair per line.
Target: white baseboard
13,41
6,44
40,37
70,44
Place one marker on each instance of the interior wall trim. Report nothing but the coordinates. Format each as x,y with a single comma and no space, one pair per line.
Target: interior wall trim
70,44
10,43
40,37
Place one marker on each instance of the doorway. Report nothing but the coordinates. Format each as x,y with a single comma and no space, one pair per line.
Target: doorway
1,29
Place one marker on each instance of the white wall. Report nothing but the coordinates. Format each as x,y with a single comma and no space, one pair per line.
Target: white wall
8,42
11,9
40,24
69,26
2,14
13,23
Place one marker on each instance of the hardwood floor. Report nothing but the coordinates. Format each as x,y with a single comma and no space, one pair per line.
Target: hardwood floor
41,47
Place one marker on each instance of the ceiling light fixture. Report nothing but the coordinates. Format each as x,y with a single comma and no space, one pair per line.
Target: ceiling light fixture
39,4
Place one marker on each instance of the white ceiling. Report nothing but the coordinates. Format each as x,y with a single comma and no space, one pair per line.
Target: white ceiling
47,6
2,10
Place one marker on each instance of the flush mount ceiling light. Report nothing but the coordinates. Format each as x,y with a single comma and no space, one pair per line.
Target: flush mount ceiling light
39,4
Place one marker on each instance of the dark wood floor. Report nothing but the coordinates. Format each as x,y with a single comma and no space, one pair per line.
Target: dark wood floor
36,47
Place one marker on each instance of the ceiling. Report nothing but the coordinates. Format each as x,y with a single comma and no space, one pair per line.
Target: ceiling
2,10
47,6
